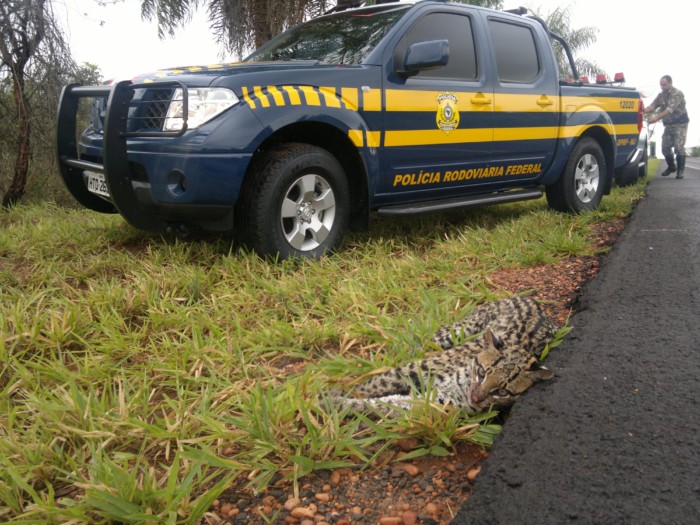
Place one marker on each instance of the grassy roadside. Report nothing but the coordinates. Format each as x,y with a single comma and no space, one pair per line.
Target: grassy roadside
139,377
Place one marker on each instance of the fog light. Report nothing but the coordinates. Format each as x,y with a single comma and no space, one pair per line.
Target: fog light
177,183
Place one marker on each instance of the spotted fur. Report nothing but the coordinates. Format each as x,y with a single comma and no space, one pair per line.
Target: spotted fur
517,321
492,369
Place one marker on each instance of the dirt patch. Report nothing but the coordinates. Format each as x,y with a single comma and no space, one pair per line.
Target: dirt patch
425,490
558,286
428,490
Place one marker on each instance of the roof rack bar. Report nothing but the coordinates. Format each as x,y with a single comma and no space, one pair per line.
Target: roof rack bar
517,11
344,5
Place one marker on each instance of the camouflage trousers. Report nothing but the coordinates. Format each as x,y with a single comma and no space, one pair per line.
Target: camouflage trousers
673,139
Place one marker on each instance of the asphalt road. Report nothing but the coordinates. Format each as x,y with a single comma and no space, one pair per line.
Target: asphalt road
615,438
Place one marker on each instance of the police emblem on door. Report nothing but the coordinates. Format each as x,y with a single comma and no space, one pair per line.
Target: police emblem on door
447,113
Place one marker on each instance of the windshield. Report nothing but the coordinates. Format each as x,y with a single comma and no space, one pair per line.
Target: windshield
340,39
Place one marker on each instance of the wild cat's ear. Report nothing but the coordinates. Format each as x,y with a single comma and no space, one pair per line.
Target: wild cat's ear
493,340
539,372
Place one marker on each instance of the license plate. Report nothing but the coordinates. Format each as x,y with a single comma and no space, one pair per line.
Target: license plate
96,183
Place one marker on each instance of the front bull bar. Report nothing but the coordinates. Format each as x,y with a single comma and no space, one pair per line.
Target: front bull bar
115,164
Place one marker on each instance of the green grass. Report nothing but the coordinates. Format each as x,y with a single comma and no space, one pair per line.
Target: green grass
139,377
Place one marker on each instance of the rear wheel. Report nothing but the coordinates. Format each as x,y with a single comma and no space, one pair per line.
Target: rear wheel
628,177
644,167
295,203
580,186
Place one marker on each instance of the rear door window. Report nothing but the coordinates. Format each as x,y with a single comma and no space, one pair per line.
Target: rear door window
516,52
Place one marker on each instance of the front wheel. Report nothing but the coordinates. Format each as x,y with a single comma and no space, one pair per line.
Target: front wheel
295,203
580,186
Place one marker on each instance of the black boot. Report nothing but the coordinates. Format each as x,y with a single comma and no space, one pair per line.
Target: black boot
671,166
680,160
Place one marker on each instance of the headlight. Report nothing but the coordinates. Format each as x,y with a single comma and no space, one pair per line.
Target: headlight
203,104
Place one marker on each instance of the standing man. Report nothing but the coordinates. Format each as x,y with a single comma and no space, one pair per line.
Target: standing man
671,104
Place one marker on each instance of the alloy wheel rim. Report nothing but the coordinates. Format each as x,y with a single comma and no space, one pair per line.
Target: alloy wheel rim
308,211
587,178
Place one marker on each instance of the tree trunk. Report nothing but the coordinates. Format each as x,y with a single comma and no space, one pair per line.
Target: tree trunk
19,180
24,25
260,25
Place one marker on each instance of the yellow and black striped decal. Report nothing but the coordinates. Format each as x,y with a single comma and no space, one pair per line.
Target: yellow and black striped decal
465,103
259,97
349,98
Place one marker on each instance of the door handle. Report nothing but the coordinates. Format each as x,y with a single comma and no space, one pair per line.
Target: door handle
544,101
480,98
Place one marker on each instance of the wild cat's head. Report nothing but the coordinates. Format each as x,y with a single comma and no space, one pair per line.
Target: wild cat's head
500,375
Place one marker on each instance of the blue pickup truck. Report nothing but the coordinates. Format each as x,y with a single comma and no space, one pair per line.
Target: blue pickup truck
395,108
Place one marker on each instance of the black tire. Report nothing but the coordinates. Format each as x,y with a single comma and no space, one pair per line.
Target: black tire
580,186
294,203
627,177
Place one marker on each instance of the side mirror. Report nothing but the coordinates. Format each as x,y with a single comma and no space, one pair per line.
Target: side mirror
421,56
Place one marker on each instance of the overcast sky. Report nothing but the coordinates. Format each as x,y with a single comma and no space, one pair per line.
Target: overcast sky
643,44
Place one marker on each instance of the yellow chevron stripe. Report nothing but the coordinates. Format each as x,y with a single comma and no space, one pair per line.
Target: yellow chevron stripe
276,95
312,98
294,97
272,96
350,98
330,97
264,102
247,98
357,137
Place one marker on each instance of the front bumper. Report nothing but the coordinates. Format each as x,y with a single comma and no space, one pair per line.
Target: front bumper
155,180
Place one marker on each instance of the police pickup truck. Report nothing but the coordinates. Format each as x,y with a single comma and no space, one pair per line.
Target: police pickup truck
395,108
